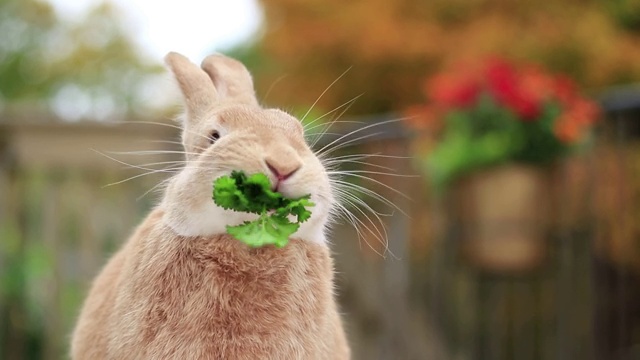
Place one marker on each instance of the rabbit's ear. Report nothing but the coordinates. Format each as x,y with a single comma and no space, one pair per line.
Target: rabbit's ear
197,89
231,79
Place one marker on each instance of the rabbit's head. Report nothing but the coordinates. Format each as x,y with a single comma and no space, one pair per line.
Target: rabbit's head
225,129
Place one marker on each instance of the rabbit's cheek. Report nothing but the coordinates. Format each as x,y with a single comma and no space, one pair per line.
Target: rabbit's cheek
313,229
204,220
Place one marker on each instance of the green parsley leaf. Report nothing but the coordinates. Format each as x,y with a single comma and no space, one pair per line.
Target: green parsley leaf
253,194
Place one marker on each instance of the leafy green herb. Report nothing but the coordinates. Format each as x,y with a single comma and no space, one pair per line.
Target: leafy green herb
253,194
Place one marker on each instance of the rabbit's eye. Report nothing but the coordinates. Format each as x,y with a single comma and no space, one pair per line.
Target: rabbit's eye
214,136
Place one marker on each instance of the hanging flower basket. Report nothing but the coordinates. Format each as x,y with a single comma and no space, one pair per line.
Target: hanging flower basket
488,136
503,214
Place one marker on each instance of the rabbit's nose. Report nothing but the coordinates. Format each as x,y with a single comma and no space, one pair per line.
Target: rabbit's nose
282,169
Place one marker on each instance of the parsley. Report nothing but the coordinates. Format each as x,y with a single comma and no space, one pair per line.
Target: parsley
253,194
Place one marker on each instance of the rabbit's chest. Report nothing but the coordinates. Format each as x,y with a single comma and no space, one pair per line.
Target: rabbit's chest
219,297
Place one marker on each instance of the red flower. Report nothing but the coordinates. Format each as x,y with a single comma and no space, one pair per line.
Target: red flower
575,120
453,90
524,105
536,83
524,91
564,89
566,129
583,112
506,86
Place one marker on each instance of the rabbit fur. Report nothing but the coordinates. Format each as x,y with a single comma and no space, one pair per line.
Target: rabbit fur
180,287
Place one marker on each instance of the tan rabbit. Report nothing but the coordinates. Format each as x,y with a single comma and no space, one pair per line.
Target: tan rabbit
180,288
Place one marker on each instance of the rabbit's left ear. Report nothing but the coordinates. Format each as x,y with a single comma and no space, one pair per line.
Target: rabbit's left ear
196,87
231,79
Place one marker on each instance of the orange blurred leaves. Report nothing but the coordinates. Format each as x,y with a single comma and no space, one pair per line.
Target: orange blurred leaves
393,45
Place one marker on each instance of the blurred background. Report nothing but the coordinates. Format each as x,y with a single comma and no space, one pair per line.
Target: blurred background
552,272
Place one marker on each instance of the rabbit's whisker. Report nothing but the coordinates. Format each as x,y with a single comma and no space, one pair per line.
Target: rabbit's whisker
122,162
309,126
324,92
161,185
156,171
182,129
334,121
182,162
154,152
146,166
382,184
342,212
351,194
172,142
135,177
349,104
368,192
350,172
357,131
351,142
334,164
359,223
320,134
273,84
381,236
366,156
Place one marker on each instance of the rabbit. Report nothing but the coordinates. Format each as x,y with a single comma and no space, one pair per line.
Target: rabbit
180,287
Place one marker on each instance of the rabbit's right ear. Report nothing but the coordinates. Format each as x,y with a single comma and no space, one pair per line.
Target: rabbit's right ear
196,86
231,79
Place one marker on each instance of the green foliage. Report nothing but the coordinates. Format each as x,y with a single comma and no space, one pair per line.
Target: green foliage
483,115
89,64
626,12
253,194
490,134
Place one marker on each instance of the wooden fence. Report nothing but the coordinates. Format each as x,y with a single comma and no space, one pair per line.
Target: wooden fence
58,224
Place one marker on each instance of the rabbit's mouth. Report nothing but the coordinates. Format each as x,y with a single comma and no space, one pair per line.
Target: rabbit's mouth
287,190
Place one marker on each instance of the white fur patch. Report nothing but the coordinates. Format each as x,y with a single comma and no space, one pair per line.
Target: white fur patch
211,219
